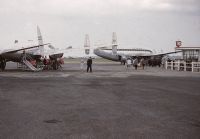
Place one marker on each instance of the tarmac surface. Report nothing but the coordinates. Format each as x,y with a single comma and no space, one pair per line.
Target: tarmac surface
112,102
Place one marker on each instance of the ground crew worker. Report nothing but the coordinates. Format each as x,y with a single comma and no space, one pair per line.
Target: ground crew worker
89,64
45,61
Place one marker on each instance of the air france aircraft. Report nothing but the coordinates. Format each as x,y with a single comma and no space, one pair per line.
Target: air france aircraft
121,55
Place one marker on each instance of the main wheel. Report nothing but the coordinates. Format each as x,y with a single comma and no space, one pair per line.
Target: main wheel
2,65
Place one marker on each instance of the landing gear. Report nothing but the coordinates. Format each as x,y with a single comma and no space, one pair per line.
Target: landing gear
2,65
123,62
55,65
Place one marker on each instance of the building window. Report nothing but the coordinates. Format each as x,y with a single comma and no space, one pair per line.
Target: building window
190,55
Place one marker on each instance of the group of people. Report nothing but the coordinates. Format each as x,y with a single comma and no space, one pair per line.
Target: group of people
135,63
129,62
52,63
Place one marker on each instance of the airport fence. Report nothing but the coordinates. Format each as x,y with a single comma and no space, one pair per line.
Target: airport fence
183,66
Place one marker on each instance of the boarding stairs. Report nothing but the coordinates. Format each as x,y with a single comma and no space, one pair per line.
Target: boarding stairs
26,65
30,66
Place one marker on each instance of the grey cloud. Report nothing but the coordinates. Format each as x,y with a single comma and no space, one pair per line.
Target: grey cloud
96,7
65,22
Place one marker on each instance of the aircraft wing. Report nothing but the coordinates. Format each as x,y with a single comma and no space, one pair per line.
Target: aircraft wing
31,47
150,55
161,54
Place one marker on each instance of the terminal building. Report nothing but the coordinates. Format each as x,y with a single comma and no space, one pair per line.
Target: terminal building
190,59
189,54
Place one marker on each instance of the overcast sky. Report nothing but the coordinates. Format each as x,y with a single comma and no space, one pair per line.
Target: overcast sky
153,24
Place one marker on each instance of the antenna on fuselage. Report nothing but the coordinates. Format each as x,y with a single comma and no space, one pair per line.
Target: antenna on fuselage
114,43
87,45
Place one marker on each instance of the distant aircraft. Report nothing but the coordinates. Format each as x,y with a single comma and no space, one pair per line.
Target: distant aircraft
121,55
82,52
87,48
54,56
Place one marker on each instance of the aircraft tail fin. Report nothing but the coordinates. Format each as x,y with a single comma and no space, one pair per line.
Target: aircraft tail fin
114,43
40,41
87,45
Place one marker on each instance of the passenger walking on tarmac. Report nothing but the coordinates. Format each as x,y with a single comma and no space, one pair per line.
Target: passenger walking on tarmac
89,64
24,55
142,62
82,64
135,64
128,62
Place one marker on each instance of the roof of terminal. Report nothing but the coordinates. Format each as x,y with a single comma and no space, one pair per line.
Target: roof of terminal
187,48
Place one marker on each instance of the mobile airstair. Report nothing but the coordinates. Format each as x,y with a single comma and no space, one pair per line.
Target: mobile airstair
26,65
30,66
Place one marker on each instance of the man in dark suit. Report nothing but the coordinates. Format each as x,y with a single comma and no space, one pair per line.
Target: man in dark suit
89,64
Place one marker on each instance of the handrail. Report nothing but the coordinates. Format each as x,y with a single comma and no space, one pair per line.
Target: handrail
182,65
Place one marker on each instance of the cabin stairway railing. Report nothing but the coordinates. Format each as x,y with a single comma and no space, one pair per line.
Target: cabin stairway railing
30,66
26,64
